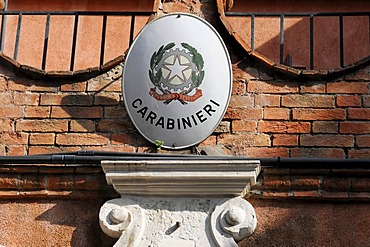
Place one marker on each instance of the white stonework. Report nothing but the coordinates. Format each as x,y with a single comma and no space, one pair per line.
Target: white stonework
173,212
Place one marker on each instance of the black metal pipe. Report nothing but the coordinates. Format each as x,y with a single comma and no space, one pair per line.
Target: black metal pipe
95,157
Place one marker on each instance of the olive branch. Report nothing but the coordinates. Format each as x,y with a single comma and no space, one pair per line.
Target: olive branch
154,61
197,59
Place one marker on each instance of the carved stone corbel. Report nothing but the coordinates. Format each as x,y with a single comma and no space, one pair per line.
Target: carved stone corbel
179,202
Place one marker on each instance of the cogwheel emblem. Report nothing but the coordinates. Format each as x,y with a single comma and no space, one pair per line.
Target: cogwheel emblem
176,73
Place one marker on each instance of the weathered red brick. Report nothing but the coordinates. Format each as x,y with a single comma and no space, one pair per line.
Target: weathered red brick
348,100
8,181
115,112
5,98
354,128
51,149
74,139
334,195
26,98
13,138
3,84
359,195
277,182
37,111
88,182
262,152
44,125
223,127
126,148
239,87
359,113
283,127
348,87
248,140
308,100
11,111
209,141
29,85
82,125
327,140
363,141
312,87
271,87
241,101
32,181
100,84
318,152
177,7
60,182
305,183
42,138
274,194
107,99
366,100
267,100
306,194
74,87
6,125
276,113
114,125
77,112
335,184
360,184
243,126
66,99
359,154
325,127
284,140
245,113
16,150
319,114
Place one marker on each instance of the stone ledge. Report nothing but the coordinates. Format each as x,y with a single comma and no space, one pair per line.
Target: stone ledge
214,178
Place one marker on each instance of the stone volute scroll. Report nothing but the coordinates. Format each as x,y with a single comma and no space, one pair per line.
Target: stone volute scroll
181,202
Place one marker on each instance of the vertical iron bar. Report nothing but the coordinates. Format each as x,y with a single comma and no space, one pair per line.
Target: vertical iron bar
3,25
311,43
46,41
281,39
252,32
102,47
74,41
17,37
341,42
132,27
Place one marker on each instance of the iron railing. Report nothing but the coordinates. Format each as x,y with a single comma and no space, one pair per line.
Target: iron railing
311,16
76,15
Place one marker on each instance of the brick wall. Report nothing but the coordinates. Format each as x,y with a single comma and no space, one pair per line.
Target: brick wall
268,116
271,117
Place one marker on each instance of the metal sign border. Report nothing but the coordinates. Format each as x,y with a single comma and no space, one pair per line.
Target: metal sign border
230,79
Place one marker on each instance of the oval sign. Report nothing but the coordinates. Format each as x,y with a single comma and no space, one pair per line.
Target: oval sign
177,80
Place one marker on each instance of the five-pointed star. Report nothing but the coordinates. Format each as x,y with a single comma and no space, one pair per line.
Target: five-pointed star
176,70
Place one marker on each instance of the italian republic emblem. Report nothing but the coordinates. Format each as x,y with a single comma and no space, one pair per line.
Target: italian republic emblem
176,73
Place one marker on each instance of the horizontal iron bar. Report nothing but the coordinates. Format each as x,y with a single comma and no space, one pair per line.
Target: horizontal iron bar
296,14
92,157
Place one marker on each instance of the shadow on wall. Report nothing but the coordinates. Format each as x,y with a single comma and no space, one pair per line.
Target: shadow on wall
101,115
53,223
300,223
90,110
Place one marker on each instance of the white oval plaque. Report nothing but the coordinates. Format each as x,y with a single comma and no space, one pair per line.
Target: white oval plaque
177,80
